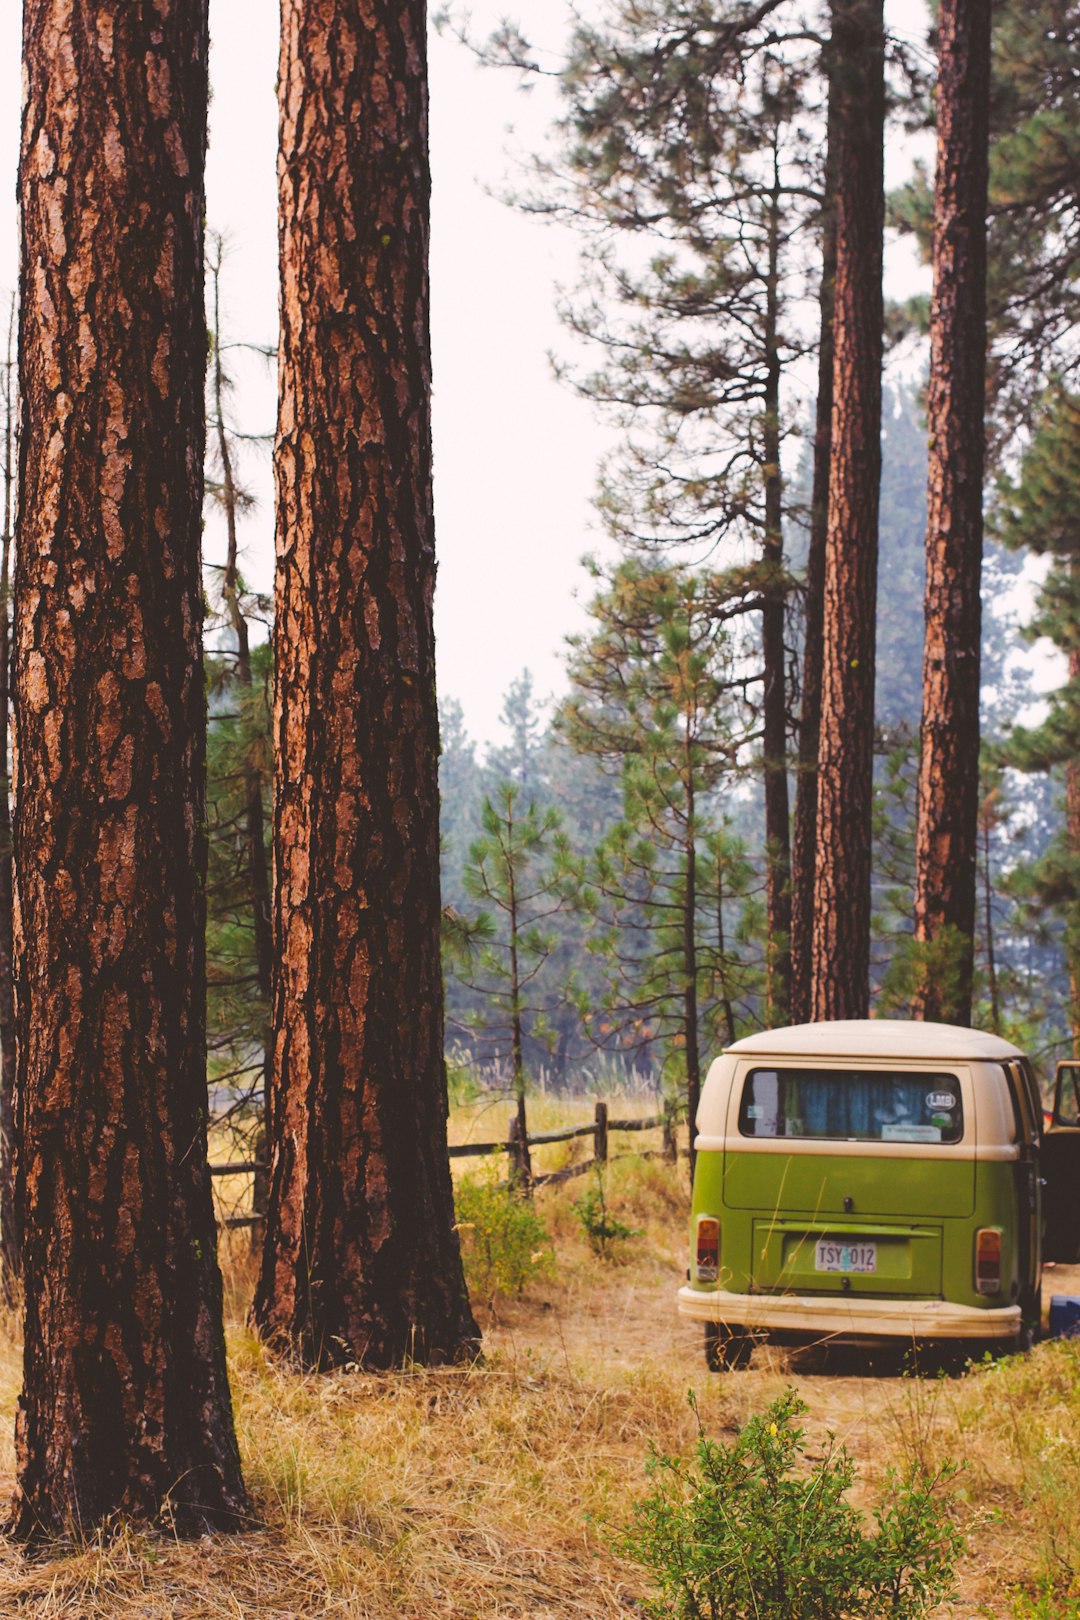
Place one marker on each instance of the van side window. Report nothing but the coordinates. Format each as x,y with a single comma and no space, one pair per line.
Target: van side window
1026,1123
1067,1110
861,1105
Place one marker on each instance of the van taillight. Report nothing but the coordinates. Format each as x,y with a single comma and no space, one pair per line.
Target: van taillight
988,1260
707,1262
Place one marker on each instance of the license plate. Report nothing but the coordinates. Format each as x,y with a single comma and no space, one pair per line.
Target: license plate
845,1257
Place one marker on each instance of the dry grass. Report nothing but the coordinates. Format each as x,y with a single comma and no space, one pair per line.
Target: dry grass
484,1492
1014,1425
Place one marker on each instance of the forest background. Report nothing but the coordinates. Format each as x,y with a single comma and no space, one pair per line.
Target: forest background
602,977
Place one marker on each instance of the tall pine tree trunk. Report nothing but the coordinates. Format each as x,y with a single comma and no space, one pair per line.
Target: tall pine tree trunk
946,840
125,1404
775,704
361,1260
841,942
804,839
10,1257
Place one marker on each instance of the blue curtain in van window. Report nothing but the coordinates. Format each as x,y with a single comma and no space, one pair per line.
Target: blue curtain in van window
868,1105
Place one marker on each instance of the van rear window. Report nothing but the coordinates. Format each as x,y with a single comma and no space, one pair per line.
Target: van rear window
852,1105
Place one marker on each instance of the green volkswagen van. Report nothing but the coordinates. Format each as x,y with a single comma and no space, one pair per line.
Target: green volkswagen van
873,1179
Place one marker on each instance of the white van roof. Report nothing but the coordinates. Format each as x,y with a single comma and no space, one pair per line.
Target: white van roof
876,1038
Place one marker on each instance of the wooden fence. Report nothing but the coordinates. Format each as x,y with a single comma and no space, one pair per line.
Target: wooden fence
600,1129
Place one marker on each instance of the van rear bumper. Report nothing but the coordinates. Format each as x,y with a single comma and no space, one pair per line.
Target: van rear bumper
842,1316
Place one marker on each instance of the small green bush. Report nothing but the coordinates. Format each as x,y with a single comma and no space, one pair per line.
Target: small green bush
504,1243
754,1530
1048,1603
601,1227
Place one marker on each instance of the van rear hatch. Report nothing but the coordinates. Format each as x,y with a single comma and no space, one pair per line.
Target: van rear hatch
838,1257
827,1184
870,1144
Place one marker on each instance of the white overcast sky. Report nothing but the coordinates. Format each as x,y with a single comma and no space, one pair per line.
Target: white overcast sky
515,451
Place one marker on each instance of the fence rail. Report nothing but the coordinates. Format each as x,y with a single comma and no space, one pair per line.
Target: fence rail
520,1169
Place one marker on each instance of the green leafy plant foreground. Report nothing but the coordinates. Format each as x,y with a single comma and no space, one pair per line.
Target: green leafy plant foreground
756,1530
504,1243
601,1226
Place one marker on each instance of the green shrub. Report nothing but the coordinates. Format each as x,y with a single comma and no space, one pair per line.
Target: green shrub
601,1227
753,1530
1048,1603
504,1243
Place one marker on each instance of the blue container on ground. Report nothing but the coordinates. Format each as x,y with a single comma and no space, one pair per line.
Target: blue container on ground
1065,1316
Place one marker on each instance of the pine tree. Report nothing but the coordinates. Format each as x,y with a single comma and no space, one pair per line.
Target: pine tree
1038,510
1033,260
518,868
692,163
840,987
947,835
519,759
655,693
10,1247
804,834
361,1260
125,1405
1034,250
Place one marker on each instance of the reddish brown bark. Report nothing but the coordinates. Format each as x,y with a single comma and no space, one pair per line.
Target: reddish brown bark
841,943
125,1405
361,1260
946,842
804,839
10,1259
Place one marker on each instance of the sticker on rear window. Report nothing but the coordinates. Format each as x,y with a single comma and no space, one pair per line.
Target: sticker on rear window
940,1099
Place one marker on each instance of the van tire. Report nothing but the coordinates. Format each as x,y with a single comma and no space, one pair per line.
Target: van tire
726,1348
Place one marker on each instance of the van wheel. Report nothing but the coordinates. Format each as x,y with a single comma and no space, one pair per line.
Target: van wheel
727,1348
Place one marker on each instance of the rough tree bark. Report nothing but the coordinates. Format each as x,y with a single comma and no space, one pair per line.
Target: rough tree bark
125,1405
946,839
841,943
10,1259
804,838
361,1260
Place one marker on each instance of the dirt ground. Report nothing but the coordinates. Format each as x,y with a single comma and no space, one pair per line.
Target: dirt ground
845,1388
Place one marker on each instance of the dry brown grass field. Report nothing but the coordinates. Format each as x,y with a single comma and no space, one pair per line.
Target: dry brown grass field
488,1491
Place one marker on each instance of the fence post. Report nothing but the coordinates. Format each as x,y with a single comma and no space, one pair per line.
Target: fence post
671,1140
601,1133
515,1149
